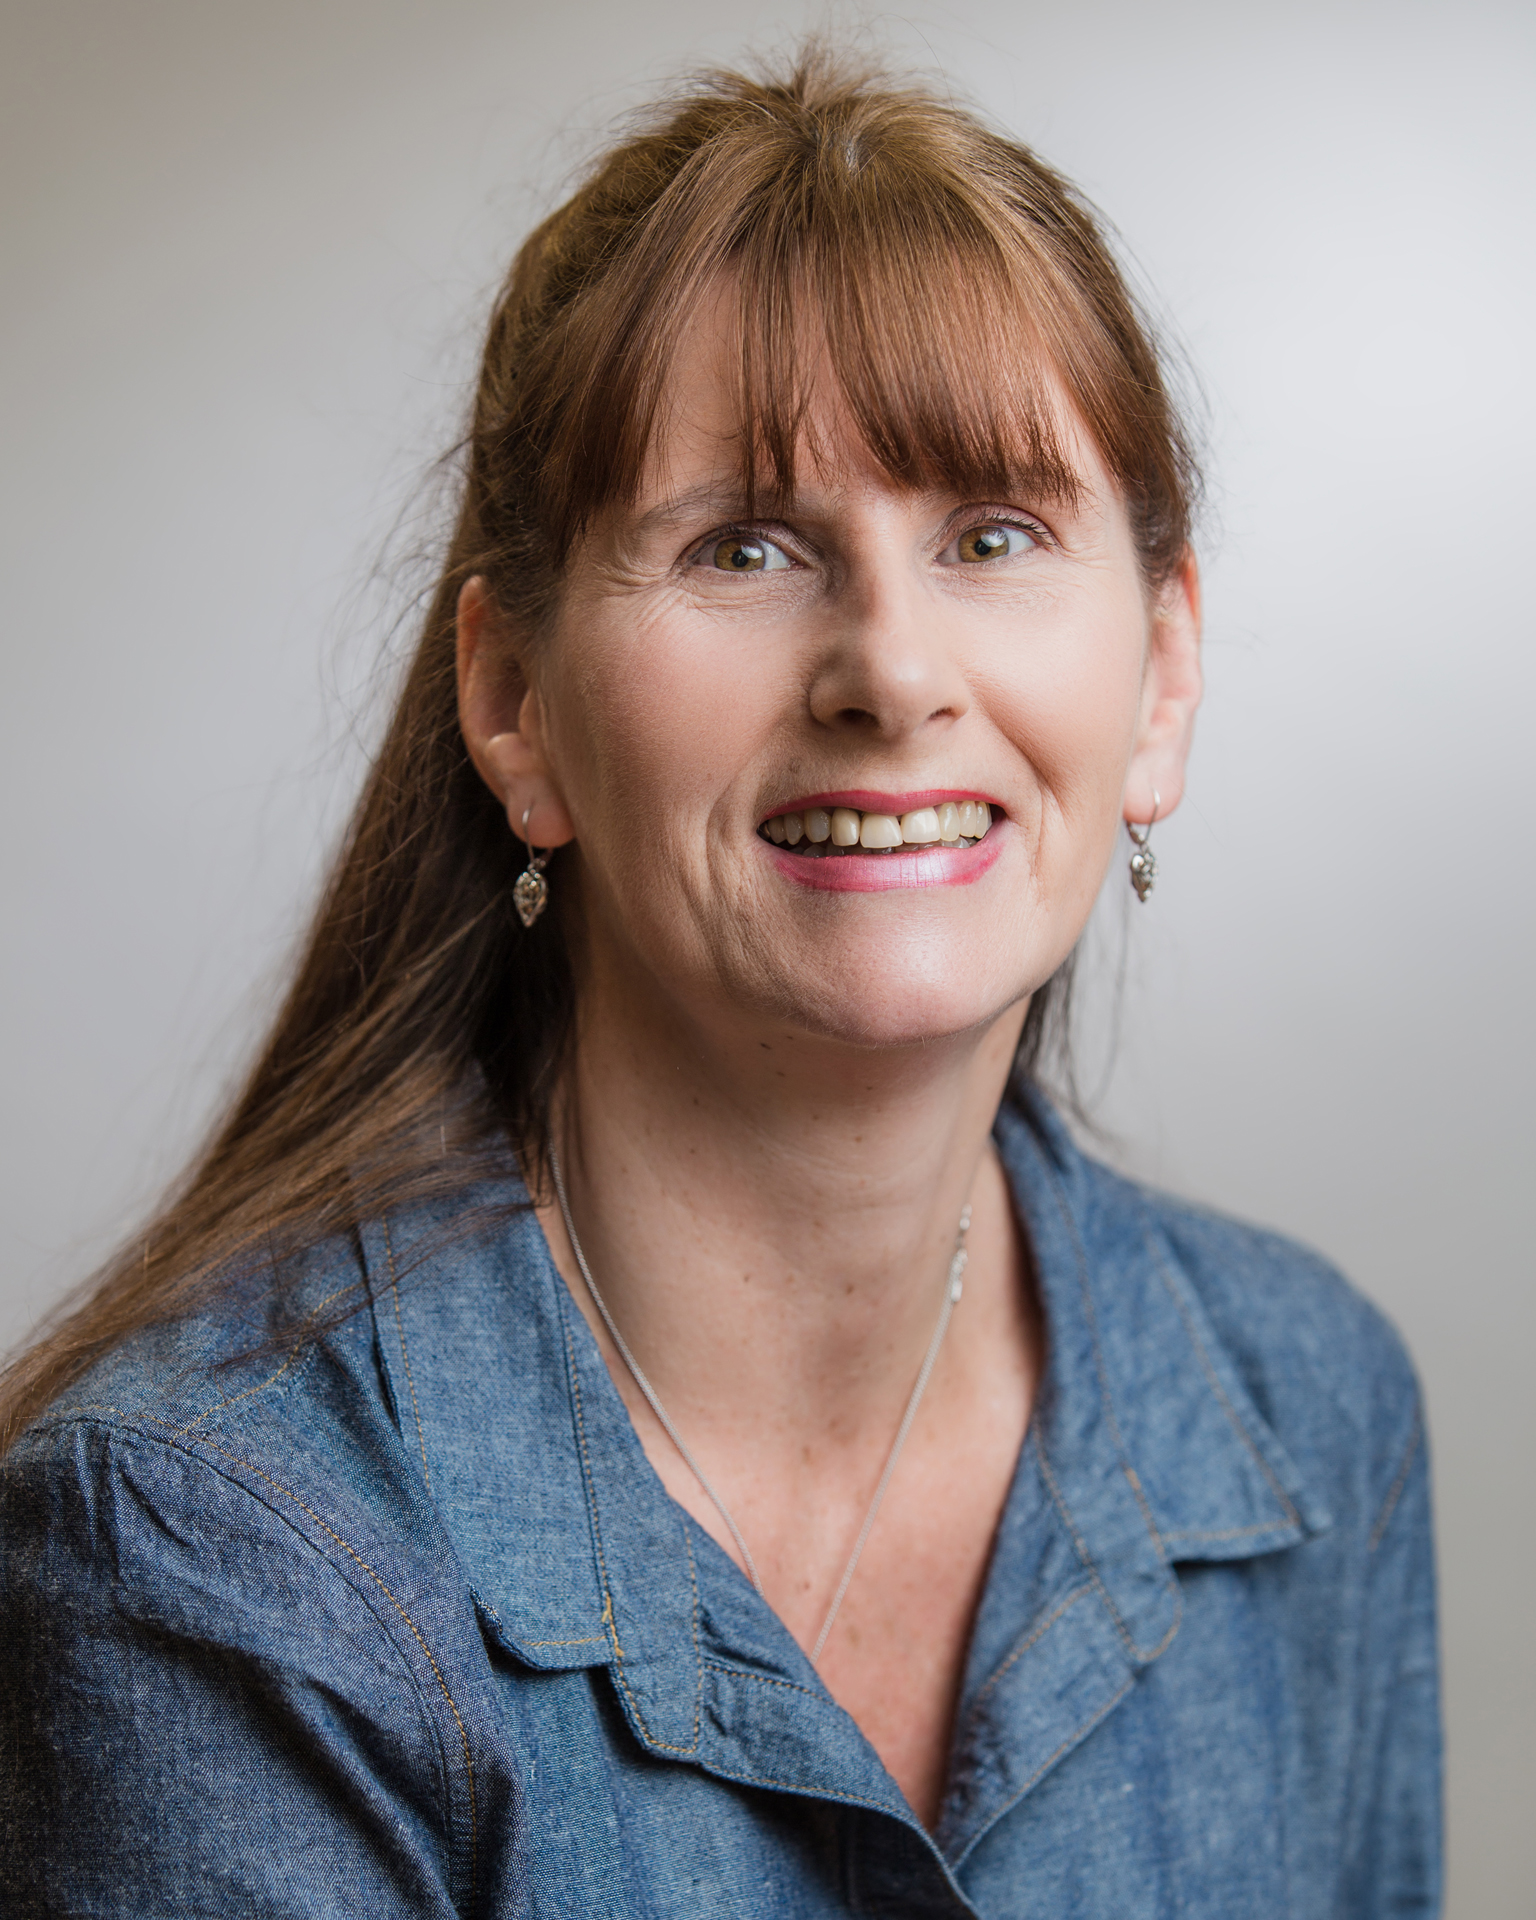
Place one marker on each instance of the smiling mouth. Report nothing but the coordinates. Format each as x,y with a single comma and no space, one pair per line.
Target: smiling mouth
820,833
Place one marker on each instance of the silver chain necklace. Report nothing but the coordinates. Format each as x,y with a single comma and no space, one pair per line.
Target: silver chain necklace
953,1286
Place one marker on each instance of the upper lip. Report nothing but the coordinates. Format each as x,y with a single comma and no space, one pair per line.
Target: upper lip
865,800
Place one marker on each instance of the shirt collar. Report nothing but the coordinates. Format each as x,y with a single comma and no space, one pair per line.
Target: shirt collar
1150,1443
1151,1446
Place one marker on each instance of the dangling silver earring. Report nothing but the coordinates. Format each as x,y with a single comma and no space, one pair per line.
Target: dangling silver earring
530,890
1143,860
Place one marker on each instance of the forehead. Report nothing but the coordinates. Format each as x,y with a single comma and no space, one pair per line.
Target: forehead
720,444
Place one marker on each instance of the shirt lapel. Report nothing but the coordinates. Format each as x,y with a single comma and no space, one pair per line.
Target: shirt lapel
1145,1448
475,1362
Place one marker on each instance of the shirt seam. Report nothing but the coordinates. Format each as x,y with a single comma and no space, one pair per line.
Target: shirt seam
303,1349
515,1643
416,1633
1131,1477
1136,1652
176,1438
1235,1420
900,1810
1035,1634
1226,1533
764,1680
609,1617
1395,1491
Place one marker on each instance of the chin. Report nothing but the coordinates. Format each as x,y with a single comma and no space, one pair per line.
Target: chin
921,1013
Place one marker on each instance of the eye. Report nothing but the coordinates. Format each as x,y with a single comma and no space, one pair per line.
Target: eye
991,540
742,553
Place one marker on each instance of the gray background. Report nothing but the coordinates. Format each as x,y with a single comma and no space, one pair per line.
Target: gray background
247,251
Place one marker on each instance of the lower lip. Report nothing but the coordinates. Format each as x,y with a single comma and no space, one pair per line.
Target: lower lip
886,872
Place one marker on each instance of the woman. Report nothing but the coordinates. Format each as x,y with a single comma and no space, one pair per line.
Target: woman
643,1408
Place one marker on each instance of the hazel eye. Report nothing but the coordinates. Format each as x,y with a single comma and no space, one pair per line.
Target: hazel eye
744,553
992,540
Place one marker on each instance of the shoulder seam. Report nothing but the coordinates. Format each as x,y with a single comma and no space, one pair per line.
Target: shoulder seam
176,1440
1395,1491
303,1349
305,1346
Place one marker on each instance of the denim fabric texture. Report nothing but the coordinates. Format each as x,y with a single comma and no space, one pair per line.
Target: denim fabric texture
402,1621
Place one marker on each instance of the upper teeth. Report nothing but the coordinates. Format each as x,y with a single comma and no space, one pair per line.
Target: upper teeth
846,827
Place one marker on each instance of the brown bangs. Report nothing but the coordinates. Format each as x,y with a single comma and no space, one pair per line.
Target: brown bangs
941,274
943,370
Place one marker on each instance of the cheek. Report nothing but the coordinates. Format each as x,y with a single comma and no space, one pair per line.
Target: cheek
1072,699
652,727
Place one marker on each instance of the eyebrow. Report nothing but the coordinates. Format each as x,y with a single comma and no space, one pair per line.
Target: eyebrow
723,497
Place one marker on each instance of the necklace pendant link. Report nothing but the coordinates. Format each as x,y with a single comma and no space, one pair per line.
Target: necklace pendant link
957,1268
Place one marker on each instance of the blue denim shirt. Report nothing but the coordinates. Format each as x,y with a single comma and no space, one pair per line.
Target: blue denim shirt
402,1622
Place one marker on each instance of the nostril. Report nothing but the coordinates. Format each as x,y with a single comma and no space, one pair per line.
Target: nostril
866,720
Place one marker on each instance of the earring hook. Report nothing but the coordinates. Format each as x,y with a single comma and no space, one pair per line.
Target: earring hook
1143,862
1140,835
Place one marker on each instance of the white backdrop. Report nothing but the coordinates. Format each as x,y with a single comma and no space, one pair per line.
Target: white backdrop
247,251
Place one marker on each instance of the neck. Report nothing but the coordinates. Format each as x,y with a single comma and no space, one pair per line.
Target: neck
770,1216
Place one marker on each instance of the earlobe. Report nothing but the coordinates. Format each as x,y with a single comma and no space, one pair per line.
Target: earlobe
501,721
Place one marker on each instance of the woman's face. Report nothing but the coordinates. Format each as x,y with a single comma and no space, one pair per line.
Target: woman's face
875,655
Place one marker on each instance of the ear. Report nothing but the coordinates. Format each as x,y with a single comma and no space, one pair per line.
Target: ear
1170,693
501,719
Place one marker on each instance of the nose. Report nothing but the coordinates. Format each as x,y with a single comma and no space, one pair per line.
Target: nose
885,667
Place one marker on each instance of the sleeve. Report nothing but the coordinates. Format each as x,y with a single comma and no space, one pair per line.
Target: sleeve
1395,1853
201,1715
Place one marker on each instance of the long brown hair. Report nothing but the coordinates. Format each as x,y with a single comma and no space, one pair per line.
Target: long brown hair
944,267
